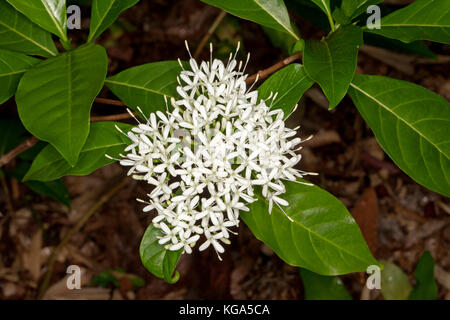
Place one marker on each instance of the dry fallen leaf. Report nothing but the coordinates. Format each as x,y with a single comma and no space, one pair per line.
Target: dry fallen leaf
365,213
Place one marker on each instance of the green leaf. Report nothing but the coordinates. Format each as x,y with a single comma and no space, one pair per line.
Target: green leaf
411,123
17,33
159,261
280,39
331,62
12,66
104,13
54,99
290,83
12,133
50,15
268,13
144,86
395,284
426,288
103,139
323,238
319,287
421,20
353,8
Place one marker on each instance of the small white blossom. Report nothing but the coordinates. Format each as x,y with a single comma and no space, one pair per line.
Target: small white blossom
204,177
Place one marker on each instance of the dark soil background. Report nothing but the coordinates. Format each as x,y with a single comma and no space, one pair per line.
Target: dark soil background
399,218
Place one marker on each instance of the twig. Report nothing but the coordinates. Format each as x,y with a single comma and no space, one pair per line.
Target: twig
113,117
51,261
277,66
27,144
210,32
110,101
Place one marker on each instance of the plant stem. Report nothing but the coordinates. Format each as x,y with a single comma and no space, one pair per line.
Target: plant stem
210,32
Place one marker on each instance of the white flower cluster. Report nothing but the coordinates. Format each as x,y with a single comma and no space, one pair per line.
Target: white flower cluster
205,157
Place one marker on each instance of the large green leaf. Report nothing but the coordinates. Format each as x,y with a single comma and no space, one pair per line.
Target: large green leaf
144,86
290,83
421,20
395,284
12,66
269,13
104,13
323,237
54,99
331,62
426,288
103,139
319,287
17,33
353,8
156,259
50,15
411,123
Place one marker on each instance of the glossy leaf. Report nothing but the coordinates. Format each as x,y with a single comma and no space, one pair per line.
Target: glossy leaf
17,33
331,62
12,66
290,83
319,287
144,86
50,15
269,13
159,261
421,20
426,288
411,123
104,13
395,284
103,139
323,238
353,8
54,99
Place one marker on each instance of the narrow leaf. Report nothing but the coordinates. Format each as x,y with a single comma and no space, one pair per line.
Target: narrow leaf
411,123
12,66
54,99
159,261
145,85
319,287
323,237
290,83
269,13
50,15
103,139
331,62
426,288
21,35
421,20
104,13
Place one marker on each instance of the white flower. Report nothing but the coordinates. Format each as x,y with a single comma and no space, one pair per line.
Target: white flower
229,143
